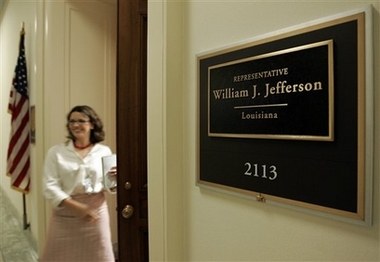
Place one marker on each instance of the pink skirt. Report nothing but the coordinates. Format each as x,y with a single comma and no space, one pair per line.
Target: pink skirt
73,239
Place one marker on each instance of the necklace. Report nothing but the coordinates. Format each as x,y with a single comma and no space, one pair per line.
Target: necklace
82,147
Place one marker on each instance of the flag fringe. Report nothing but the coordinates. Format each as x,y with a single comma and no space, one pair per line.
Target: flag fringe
20,190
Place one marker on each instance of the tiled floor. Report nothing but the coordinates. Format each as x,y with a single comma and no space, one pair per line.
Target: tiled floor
15,242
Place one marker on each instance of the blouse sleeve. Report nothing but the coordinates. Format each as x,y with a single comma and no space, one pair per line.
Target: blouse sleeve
52,183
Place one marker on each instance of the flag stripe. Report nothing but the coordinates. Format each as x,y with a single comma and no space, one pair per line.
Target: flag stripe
10,104
20,154
20,135
20,125
22,180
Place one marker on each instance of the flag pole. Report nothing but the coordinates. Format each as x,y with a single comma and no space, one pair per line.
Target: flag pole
25,216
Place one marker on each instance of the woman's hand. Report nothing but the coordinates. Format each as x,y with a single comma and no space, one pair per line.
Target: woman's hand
90,215
111,181
82,210
113,171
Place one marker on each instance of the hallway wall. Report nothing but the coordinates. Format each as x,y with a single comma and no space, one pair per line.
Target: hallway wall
196,224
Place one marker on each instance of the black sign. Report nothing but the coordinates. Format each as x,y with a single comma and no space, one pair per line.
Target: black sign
283,118
287,94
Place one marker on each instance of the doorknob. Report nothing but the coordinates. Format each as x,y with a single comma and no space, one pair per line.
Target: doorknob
127,211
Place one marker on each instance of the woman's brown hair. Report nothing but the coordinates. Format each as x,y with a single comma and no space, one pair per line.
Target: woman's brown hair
97,134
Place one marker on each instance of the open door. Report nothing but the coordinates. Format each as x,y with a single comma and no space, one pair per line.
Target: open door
132,202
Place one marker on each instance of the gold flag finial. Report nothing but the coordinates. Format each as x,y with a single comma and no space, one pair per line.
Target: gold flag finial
22,32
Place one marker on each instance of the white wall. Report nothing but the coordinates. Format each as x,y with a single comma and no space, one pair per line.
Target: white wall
211,226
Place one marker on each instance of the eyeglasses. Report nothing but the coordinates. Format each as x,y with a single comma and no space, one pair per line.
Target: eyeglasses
80,122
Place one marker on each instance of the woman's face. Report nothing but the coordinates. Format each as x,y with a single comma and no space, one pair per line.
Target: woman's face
80,125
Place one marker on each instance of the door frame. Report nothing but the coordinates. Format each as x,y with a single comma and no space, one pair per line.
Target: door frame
166,132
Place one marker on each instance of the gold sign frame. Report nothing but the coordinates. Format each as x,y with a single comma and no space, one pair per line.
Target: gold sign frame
247,94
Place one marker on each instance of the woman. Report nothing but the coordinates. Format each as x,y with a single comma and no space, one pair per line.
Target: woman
73,182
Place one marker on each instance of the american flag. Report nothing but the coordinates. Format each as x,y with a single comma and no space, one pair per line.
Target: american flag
18,161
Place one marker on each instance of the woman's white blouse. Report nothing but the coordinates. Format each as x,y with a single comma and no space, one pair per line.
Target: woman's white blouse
66,173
